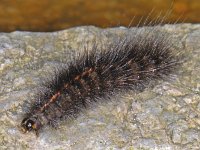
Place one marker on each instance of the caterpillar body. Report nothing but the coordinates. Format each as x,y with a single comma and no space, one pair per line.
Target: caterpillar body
129,63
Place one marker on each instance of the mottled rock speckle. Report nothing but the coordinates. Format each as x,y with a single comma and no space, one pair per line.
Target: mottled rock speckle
166,116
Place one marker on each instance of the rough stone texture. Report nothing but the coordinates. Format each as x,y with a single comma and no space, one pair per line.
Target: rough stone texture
165,117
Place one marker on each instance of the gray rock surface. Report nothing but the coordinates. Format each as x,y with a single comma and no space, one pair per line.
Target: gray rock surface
166,116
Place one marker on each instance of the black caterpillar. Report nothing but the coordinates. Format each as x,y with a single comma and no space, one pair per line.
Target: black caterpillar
128,64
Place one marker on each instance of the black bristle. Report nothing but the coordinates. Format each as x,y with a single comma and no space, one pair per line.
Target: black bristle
127,64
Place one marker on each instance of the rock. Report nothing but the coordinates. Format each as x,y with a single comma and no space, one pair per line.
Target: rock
165,116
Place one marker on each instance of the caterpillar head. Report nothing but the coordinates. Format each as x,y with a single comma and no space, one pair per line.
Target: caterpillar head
31,123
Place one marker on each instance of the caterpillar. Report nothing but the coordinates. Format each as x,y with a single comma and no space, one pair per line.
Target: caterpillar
129,63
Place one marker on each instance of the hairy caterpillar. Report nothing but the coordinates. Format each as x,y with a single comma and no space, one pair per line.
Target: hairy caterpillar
127,64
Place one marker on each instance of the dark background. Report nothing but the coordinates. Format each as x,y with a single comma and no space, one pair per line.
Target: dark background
52,15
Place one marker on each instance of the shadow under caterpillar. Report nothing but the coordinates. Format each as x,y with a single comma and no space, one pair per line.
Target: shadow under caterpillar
129,63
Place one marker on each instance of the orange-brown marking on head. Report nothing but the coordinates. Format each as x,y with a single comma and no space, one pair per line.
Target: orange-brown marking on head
34,126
